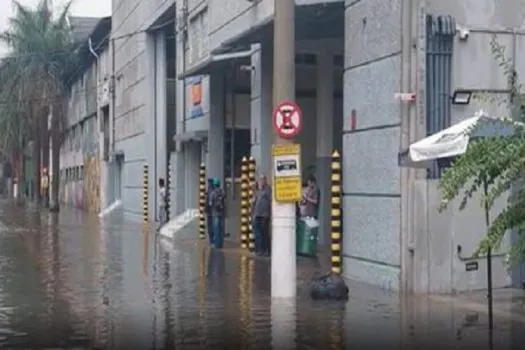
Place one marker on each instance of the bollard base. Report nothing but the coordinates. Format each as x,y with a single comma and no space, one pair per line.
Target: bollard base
329,287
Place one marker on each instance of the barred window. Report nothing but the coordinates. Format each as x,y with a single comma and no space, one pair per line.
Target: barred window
439,49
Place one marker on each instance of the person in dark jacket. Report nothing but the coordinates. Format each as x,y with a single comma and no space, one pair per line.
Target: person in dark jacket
261,214
309,205
217,209
209,224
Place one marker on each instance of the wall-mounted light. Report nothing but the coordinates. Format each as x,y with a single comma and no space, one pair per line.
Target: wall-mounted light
461,97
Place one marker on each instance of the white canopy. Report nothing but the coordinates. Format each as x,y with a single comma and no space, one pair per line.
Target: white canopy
454,140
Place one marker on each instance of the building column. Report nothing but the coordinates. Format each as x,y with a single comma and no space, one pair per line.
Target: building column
215,166
160,167
324,120
151,122
261,107
178,199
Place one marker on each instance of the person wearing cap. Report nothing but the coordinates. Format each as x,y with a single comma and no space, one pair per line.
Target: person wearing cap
209,218
217,209
261,212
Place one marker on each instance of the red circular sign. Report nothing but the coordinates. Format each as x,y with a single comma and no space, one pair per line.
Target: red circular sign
287,119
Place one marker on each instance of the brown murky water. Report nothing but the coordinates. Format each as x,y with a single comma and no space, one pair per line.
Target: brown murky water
73,282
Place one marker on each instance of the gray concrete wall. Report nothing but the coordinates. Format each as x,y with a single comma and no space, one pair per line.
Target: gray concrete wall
372,194
135,98
232,18
439,268
378,234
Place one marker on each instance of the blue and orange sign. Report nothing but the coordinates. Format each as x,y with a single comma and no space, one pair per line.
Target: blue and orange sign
195,87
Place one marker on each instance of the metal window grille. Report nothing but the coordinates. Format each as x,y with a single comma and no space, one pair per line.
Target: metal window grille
440,43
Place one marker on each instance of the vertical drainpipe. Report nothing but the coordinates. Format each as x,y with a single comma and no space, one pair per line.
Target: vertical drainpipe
155,116
113,95
97,57
182,125
183,58
406,239
111,121
233,121
517,272
224,113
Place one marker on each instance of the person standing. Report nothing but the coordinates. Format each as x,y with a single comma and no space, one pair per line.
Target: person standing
209,218
261,214
309,205
217,207
162,202
44,186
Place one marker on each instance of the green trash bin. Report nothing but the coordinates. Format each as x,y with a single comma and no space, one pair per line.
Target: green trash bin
306,239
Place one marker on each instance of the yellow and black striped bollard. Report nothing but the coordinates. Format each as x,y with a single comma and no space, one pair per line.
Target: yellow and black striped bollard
252,182
202,202
203,286
335,214
244,304
168,192
145,192
245,204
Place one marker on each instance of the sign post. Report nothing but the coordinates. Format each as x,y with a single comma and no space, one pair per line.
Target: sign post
287,190
283,263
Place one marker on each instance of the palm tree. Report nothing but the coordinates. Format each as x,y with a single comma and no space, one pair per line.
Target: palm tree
13,122
42,58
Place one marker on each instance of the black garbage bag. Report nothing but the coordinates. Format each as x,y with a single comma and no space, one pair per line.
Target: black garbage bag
328,287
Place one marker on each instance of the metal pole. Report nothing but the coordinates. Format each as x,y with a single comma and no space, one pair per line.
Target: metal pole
284,269
489,265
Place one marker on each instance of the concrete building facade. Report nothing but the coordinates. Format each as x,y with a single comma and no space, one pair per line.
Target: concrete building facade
138,122
352,57
80,153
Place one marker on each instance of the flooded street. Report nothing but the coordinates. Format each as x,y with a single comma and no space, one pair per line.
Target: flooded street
74,282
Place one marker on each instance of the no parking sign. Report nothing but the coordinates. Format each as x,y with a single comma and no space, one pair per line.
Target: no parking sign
287,119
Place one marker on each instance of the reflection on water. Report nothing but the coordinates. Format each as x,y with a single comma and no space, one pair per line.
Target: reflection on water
69,281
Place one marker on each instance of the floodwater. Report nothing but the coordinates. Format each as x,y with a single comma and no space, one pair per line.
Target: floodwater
70,281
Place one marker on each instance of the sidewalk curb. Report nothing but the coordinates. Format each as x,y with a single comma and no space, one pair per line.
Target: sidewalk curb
478,307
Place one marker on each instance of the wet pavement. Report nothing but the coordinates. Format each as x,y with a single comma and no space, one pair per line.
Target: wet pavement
71,281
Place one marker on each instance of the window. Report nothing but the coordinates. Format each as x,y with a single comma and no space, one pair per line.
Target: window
440,42
198,34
